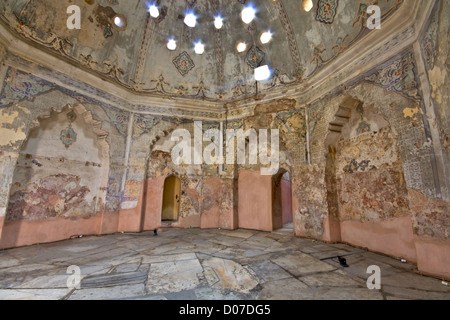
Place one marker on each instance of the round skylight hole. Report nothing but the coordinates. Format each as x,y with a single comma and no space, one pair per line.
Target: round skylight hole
199,48
190,20
171,45
307,5
119,22
154,11
262,73
266,37
248,15
241,47
218,23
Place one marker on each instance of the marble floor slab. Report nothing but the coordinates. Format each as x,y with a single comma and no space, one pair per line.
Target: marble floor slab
199,264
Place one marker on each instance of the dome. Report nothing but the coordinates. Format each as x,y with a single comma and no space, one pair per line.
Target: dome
126,42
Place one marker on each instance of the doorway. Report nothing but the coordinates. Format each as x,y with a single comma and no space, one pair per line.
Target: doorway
171,199
282,216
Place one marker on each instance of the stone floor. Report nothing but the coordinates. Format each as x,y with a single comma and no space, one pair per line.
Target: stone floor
198,264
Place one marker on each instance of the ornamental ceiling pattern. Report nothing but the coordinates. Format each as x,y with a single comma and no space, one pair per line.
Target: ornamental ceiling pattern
136,57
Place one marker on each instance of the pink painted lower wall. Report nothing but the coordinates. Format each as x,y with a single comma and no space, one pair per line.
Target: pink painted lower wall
210,218
331,230
24,233
154,203
217,217
255,201
192,221
433,256
109,223
227,219
130,219
217,204
393,237
212,201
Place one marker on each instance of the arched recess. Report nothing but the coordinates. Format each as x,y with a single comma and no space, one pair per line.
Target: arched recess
340,120
154,185
60,181
367,197
281,200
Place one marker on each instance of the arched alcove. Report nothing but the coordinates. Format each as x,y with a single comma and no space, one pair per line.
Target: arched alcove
340,120
364,175
61,175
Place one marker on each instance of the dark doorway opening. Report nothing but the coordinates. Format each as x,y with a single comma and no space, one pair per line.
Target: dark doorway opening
171,199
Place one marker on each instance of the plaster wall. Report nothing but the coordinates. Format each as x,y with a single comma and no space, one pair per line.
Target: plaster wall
54,180
255,201
378,188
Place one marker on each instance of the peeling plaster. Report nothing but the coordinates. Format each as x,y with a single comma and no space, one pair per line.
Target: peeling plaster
10,136
438,81
410,112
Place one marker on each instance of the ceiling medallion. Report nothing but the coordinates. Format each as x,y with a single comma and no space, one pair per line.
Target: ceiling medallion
326,11
184,63
254,57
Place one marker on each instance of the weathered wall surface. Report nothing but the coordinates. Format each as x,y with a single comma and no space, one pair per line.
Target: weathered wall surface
362,158
309,201
372,192
371,186
218,203
55,168
379,157
13,128
260,196
58,173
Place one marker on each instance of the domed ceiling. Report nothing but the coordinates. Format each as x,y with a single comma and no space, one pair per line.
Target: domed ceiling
135,54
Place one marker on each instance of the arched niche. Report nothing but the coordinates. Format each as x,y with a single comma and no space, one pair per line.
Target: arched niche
61,173
367,195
